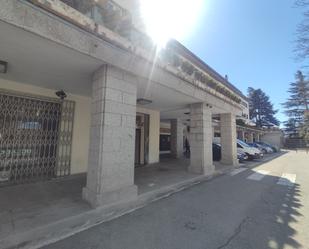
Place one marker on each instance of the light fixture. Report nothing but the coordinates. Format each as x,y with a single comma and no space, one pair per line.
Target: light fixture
3,67
143,101
61,94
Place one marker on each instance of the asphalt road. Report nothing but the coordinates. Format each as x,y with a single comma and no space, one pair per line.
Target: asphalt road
263,207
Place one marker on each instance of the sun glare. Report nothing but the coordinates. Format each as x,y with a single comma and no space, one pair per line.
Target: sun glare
166,19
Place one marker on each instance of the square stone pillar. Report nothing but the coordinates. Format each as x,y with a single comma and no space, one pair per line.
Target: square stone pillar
110,175
176,138
250,137
258,137
242,135
228,139
201,160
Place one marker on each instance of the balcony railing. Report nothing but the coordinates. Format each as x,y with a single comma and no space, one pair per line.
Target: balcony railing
112,16
104,12
182,66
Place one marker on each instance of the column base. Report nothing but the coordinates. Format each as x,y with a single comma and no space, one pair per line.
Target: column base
229,162
125,194
202,170
177,156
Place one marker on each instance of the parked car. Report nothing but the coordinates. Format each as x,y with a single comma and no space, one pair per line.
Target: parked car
242,157
216,153
251,152
263,148
274,148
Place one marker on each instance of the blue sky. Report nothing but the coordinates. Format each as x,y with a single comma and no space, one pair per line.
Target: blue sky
251,41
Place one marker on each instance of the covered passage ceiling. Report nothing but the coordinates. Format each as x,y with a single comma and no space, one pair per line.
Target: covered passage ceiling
35,60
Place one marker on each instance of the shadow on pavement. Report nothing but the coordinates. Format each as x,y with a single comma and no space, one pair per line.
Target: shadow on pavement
271,222
272,227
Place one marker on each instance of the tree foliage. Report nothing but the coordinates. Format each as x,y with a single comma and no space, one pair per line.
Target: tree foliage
261,109
304,129
297,105
298,102
291,127
302,40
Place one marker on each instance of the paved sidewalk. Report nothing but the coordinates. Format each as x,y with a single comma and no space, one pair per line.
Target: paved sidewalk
33,211
266,206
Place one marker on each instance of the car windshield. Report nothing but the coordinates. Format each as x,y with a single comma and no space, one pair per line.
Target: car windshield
243,143
264,144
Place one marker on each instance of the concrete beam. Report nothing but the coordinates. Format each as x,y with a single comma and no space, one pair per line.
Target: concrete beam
128,58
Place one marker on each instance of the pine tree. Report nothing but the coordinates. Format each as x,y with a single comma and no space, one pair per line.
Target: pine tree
298,101
304,130
291,127
297,105
261,109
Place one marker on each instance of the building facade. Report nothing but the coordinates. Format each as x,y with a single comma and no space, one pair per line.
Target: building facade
85,90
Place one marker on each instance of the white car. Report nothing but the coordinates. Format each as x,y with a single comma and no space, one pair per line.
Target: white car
251,152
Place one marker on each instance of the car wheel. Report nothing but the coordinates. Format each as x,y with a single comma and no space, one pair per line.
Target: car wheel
250,157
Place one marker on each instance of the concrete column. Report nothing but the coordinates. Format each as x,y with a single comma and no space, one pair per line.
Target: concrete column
176,138
201,161
110,175
228,139
258,137
242,135
251,137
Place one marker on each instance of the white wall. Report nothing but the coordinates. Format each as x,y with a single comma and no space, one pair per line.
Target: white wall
81,126
154,133
274,138
246,111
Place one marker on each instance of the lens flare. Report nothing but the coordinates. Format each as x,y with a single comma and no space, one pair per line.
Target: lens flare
166,19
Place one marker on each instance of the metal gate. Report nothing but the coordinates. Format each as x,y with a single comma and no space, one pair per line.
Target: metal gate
296,143
35,138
